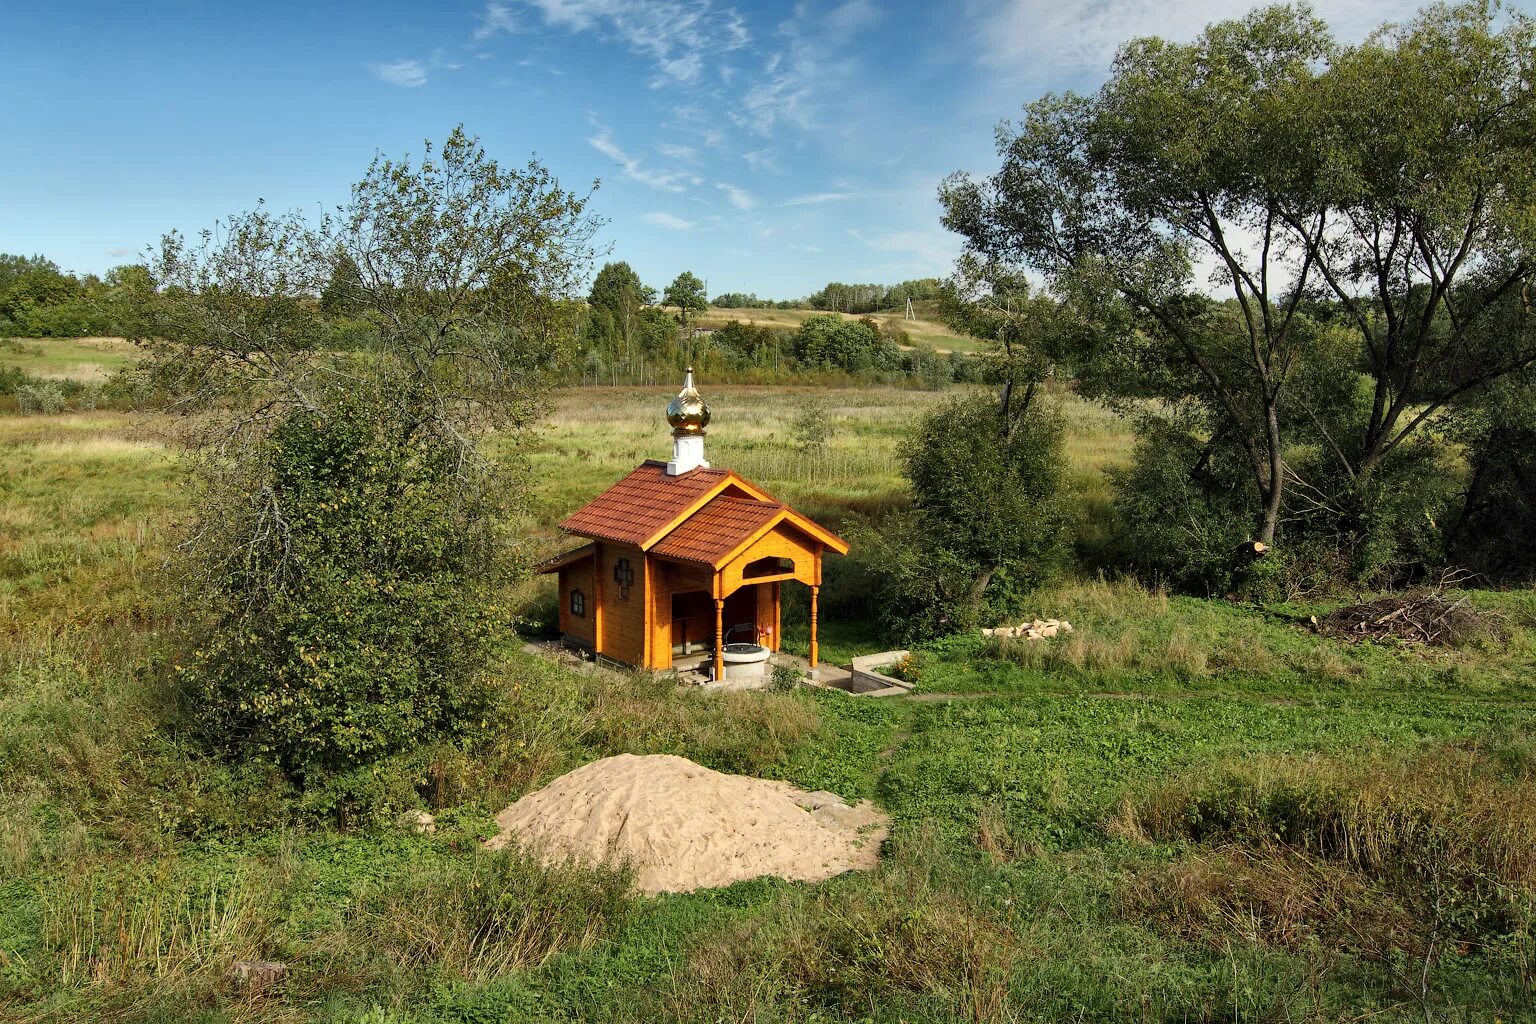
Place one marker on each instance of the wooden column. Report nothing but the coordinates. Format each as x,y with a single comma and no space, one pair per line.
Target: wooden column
777,615
597,599
720,639
814,591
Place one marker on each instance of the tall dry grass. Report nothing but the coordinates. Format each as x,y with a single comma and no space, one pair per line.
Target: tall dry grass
1410,861
904,936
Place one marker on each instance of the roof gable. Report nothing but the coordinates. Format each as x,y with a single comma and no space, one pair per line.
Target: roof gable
717,529
645,503
704,515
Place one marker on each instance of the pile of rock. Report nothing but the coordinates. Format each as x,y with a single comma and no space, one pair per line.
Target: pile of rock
1039,629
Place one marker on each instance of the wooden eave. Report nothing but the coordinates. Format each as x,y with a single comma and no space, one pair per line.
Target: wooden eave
788,515
571,557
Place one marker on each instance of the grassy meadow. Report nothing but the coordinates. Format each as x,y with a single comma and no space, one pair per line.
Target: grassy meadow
1186,810
926,329
84,360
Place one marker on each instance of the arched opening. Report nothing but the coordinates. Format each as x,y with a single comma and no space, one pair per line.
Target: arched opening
768,567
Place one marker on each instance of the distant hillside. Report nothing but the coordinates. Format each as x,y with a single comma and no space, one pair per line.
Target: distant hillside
926,330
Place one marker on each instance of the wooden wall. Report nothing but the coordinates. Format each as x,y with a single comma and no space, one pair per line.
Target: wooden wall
622,620
578,576
783,541
638,630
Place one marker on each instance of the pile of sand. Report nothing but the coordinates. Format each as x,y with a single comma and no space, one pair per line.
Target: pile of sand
682,826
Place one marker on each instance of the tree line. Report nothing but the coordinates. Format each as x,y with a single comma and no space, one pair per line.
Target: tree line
1304,270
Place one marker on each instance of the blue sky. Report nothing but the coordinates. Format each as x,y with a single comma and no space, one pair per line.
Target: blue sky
767,147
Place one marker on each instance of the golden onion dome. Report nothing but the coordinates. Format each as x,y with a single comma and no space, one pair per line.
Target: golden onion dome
687,412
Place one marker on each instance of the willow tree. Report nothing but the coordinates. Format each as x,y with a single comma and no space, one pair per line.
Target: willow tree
1222,213
350,532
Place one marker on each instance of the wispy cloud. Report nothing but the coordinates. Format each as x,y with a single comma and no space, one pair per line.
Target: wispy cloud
927,241
666,220
118,252
761,160
739,197
813,61
495,18
669,181
1048,36
816,198
676,152
407,74
675,34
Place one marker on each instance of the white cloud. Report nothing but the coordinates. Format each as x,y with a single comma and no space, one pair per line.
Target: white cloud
669,181
407,74
761,160
676,34
672,151
816,65
928,242
1047,35
816,198
666,220
118,253
495,18
739,197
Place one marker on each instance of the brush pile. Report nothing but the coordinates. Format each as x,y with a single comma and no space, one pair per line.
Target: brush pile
1430,618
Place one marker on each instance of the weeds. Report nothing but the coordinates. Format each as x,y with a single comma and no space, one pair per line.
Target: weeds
1412,862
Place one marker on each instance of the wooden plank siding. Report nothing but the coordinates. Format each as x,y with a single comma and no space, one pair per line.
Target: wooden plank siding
578,577
622,621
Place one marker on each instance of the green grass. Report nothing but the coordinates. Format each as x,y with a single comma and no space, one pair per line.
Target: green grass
926,330
87,360
1017,885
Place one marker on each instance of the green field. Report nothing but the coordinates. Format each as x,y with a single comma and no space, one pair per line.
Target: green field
1186,811
927,329
85,360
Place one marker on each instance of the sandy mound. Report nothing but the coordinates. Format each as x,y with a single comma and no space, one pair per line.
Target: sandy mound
683,826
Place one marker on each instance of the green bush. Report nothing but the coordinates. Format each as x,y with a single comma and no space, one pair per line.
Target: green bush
1183,507
42,396
357,625
834,342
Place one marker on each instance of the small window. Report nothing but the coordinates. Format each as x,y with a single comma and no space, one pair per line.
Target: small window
578,604
624,576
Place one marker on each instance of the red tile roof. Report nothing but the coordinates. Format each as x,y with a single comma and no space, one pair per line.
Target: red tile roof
646,501
716,530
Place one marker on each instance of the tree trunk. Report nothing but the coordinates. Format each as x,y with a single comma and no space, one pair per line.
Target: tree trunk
1276,490
978,590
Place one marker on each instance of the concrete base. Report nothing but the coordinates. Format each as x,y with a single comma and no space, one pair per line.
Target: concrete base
867,680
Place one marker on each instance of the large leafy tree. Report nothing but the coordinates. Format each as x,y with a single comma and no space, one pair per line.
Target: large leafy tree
686,292
349,538
617,295
1221,214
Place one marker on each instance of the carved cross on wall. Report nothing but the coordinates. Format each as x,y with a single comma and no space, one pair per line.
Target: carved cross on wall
623,575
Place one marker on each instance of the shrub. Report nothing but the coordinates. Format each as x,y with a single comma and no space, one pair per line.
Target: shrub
357,624
989,494
43,396
1184,507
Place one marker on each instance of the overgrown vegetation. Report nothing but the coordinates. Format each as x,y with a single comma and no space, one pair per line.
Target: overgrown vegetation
1185,809
350,537
1301,396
